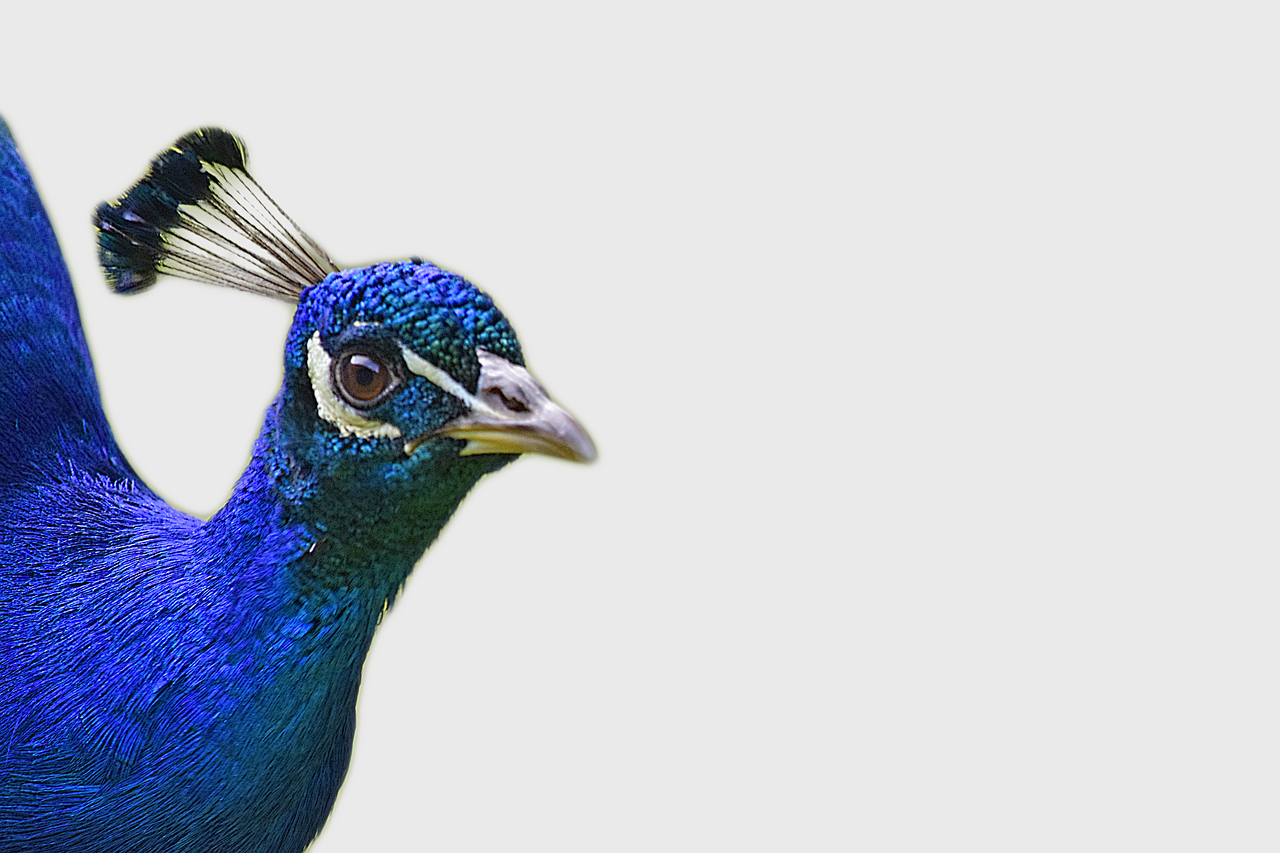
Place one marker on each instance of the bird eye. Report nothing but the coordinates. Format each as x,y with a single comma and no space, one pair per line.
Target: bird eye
363,378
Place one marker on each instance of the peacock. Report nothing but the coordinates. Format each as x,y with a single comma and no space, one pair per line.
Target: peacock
176,685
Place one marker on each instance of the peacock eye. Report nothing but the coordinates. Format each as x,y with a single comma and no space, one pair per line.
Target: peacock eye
363,378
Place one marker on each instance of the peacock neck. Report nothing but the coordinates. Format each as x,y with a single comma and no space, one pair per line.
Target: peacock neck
337,532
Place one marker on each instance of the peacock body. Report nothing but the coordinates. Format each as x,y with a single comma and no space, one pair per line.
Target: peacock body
172,685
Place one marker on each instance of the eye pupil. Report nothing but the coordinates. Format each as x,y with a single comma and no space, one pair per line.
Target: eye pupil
362,378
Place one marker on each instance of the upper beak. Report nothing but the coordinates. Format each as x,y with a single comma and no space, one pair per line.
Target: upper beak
514,414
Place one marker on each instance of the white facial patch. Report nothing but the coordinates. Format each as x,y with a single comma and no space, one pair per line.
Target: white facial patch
331,407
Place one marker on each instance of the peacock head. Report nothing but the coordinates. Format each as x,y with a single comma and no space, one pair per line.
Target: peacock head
409,359
394,368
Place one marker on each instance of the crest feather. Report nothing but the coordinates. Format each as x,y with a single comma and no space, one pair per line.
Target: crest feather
198,214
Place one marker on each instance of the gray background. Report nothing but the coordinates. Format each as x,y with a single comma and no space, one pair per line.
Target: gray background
931,354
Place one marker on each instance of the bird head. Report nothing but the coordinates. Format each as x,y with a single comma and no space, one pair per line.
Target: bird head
408,361
394,373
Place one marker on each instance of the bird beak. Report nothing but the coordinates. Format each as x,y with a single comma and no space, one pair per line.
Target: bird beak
512,413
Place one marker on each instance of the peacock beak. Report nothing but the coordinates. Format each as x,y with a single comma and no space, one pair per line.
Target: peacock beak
512,413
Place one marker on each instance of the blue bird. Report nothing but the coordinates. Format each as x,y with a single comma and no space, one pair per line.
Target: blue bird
172,685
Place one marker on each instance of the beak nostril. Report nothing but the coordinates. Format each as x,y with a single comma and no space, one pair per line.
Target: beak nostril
510,403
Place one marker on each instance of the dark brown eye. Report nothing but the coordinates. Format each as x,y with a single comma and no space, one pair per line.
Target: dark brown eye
363,379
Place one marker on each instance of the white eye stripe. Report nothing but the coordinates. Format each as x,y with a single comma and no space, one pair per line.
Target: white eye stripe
331,407
442,380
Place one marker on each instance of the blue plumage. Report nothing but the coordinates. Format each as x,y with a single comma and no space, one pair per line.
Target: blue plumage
173,685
